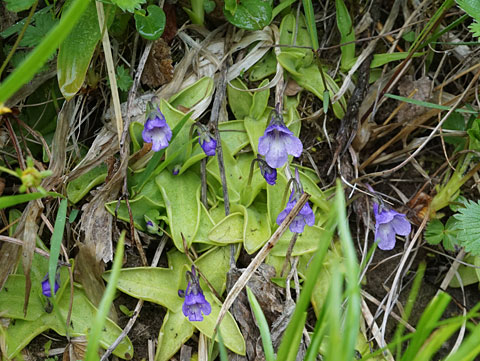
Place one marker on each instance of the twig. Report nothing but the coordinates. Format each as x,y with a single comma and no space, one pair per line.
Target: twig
214,115
367,315
39,251
259,258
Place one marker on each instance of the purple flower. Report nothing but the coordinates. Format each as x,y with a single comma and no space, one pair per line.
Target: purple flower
46,290
277,142
195,304
305,217
176,169
156,130
269,173
388,223
206,140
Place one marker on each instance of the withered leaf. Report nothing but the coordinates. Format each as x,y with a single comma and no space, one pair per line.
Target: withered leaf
158,68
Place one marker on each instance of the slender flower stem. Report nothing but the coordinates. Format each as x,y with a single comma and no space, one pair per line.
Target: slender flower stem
288,255
203,189
250,175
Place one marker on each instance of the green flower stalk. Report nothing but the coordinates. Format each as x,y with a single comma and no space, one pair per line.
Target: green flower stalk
449,191
197,13
30,176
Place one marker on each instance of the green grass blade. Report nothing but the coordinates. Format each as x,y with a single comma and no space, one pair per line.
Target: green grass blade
352,271
470,347
427,104
317,336
105,303
310,21
288,347
221,348
409,306
333,307
56,241
9,201
262,326
32,64
345,26
426,325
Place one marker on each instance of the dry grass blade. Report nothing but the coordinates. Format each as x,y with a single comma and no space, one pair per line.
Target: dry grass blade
111,69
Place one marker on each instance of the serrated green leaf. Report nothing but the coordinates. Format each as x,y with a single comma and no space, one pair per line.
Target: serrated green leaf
475,29
19,5
129,5
471,7
124,80
469,227
35,34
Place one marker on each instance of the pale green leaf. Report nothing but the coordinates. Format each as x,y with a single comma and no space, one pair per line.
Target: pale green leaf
129,5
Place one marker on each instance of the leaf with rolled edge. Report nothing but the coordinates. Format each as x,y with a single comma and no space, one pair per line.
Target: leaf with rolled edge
239,101
228,230
76,52
232,337
20,333
193,94
153,284
79,187
307,242
13,292
256,228
181,194
175,331
139,206
161,285
217,276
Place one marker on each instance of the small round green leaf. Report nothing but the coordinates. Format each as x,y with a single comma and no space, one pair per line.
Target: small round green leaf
151,26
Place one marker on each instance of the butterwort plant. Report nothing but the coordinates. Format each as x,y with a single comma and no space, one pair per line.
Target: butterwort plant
195,305
305,216
278,141
156,129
